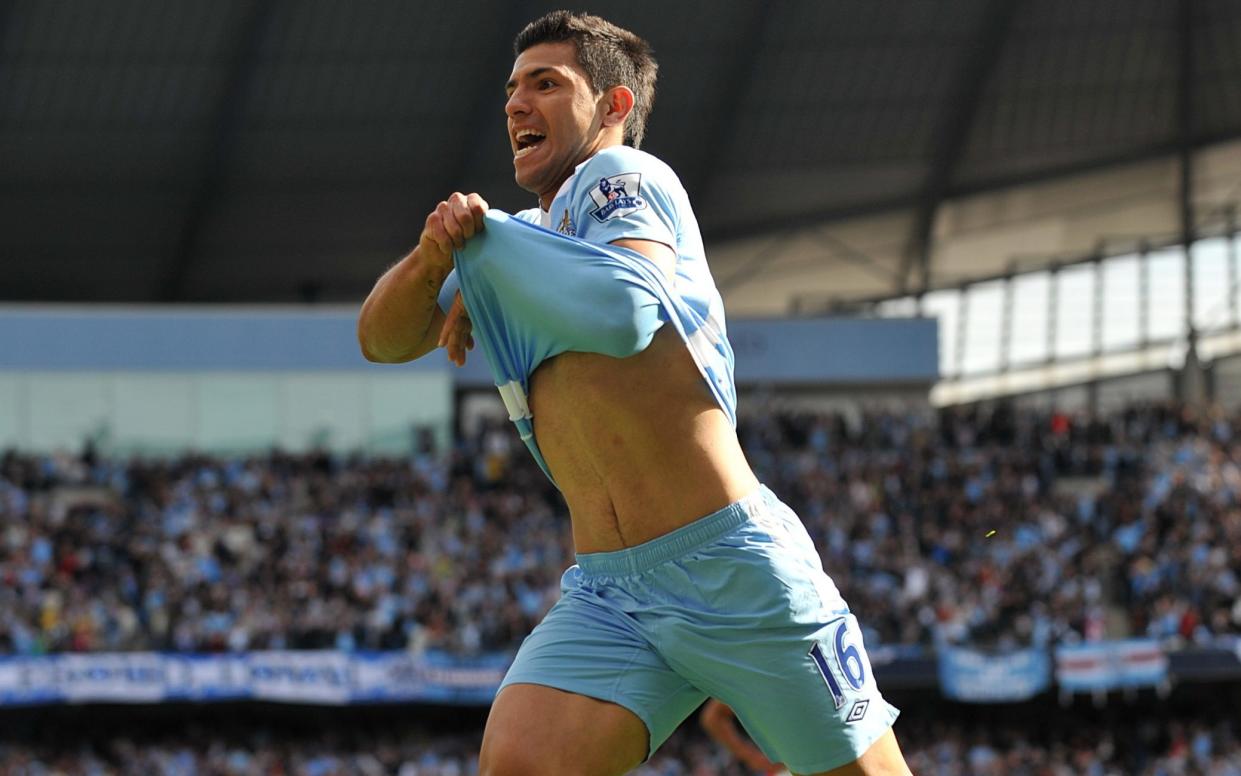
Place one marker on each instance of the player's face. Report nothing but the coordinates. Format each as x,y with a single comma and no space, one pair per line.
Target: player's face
554,117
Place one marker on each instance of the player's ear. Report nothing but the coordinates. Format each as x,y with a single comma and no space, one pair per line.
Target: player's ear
618,106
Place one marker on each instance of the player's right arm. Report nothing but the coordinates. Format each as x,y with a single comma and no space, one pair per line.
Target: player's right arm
401,319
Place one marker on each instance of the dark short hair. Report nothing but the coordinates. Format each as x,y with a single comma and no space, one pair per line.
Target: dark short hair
610,55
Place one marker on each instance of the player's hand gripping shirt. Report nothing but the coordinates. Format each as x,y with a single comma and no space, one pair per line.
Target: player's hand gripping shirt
533,293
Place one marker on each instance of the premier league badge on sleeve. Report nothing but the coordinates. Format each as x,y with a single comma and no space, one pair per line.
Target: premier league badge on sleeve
617,196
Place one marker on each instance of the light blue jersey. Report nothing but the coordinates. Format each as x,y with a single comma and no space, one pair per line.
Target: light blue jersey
533,293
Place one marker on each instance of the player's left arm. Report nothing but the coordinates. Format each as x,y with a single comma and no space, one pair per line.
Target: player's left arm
630,200
659,254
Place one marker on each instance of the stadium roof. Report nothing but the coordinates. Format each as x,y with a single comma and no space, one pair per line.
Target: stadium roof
283,150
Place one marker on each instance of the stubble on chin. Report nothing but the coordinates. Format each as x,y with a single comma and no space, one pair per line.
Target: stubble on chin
534,182
524,185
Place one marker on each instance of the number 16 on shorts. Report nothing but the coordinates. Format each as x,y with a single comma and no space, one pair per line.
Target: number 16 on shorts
851,660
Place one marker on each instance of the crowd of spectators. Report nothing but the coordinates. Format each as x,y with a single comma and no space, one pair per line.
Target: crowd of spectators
965,526
968,526
1190,748
1153,748
1004,528
281,551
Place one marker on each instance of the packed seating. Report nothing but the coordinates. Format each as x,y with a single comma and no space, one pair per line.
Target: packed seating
1004,528
992,527
1154,748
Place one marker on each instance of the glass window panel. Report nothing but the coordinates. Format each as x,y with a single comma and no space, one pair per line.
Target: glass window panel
943,306
400,402
983,326
1029,325
1120,302
1165,272
1074,310
65,409
152,412
904,307
1211,284
1236,277
322,410
237,410
12,428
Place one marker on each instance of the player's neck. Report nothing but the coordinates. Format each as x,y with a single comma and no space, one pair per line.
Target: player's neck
547,197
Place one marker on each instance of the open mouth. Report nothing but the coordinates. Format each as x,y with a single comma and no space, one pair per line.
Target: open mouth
527,141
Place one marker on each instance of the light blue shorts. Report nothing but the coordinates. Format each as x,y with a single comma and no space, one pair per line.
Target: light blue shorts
735,606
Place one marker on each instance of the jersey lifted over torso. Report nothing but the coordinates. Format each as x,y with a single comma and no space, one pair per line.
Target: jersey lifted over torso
543,283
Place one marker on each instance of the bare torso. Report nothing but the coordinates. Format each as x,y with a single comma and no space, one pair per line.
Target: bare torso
638,446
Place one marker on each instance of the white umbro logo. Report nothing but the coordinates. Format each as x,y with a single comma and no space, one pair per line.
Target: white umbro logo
858,711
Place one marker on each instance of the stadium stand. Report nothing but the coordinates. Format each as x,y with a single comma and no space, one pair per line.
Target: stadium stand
1104,527
1139,742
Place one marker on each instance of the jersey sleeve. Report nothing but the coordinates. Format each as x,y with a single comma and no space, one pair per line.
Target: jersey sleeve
626,195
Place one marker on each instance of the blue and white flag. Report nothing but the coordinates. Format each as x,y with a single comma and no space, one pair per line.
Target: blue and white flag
1111,665
311,677
979,677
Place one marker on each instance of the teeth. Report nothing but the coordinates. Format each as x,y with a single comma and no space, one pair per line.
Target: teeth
522,134
523,151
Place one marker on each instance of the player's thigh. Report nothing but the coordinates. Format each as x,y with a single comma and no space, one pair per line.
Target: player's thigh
883,758
534,729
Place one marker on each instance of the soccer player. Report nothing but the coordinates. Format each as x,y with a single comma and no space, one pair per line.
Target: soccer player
692,580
